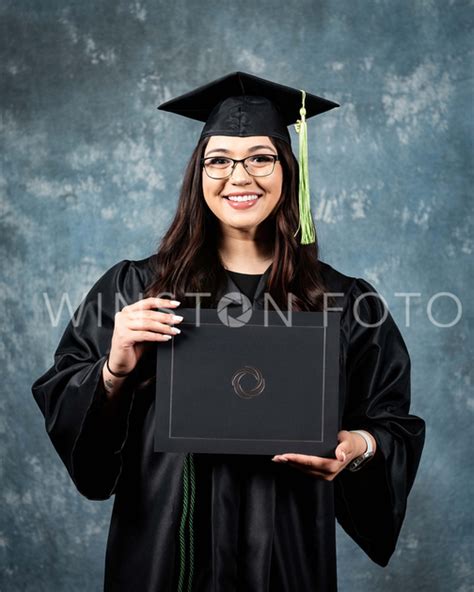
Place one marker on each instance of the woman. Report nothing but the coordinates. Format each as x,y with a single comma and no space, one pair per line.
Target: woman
256,525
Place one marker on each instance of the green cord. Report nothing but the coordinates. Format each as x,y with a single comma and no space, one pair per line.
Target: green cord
189,496
191,526
308,234
182,527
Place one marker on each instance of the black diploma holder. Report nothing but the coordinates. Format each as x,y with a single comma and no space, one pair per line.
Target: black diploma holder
267,386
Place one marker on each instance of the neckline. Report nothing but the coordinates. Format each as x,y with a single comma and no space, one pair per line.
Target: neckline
259,280
251,274
255,275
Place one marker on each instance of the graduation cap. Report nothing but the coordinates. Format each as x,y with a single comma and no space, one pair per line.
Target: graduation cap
241,104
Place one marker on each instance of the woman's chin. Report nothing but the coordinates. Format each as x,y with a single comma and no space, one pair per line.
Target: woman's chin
240,225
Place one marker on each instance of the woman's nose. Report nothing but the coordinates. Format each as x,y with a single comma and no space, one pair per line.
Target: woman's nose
240,174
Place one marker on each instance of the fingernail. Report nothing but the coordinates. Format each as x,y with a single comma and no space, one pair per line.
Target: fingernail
176,302
177,318
175,330
279,459
167,337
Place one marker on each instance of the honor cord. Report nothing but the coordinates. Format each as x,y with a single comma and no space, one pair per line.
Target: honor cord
189,498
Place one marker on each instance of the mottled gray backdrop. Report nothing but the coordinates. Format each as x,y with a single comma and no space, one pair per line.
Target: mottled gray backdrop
89,176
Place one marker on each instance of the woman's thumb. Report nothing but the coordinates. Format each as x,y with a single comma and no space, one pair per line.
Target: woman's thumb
341,453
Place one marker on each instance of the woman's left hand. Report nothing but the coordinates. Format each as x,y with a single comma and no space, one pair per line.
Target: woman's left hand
351,445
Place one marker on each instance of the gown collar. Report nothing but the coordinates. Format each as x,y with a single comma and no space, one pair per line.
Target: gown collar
232,292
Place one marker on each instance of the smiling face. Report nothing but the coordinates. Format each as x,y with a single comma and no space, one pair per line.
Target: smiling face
242,202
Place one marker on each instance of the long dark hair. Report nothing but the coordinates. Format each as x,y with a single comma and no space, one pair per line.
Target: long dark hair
187,259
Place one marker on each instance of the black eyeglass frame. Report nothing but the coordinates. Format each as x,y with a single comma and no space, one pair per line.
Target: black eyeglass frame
236,162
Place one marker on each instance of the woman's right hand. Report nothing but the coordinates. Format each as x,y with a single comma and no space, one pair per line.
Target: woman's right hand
137,324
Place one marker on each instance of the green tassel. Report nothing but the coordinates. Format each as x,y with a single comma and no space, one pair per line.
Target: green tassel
308,233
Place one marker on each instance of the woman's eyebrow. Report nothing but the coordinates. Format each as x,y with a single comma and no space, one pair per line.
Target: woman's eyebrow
260,146
252,149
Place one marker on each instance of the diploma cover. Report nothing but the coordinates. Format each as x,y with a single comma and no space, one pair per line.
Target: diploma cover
267,384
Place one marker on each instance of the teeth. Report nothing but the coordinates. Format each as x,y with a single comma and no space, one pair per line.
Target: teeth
242,197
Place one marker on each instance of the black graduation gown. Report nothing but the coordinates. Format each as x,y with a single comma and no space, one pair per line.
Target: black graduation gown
259,526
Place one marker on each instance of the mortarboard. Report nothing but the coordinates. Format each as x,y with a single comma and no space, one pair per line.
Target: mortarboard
241,104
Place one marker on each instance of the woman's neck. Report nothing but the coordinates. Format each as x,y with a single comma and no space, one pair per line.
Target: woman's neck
245,255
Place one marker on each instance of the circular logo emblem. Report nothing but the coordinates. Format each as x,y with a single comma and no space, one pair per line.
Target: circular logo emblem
244,314
248,393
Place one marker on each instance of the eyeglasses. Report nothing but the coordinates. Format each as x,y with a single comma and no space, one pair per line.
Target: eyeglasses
257,165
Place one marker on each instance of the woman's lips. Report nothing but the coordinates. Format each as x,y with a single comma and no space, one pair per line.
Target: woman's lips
242,201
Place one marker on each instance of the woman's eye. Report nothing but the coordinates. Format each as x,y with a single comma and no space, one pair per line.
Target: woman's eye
261,159
218,161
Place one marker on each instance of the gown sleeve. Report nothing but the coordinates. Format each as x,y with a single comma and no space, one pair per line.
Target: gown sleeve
371,503
87,431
